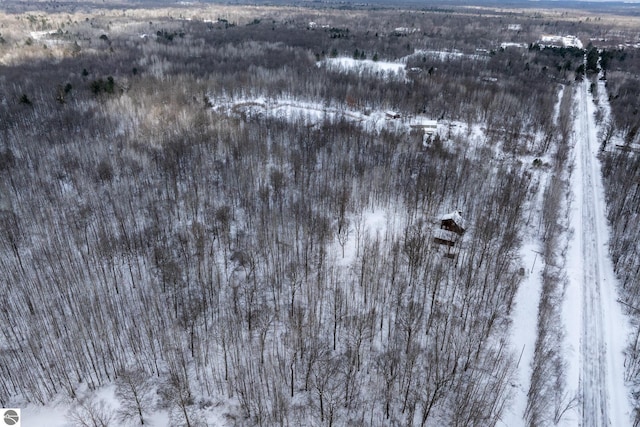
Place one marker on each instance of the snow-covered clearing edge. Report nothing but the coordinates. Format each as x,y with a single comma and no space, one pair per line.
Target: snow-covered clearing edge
524,327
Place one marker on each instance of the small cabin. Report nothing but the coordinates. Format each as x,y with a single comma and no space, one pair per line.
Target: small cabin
453,222
392,115
452,227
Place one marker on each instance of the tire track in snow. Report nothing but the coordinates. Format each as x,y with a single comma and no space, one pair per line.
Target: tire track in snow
604,401
595,405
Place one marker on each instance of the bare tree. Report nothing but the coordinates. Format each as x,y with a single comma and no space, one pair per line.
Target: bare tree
90,412
133,390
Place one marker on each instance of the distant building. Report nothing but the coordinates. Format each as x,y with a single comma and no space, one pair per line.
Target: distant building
392,114
560,41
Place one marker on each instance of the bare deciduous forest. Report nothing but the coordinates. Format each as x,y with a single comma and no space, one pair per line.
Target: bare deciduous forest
620,169
161,231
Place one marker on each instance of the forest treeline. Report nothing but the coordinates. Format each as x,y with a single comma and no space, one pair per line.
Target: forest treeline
193,258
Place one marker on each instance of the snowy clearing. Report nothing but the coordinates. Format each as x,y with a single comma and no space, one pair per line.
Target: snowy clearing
58,413
392,70
314,113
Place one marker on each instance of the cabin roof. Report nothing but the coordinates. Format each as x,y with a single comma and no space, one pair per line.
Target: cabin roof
456,217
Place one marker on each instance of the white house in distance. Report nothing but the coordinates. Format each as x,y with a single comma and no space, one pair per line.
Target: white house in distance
560,41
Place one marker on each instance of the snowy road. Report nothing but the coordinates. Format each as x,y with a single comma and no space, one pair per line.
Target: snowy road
601,382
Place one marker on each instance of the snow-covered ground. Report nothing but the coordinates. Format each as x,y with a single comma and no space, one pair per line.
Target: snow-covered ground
51,37
526,302
595,330
58,412
314,113
595,326
50,415
391,69
561,41
506,45
524,325
383,69
523,330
